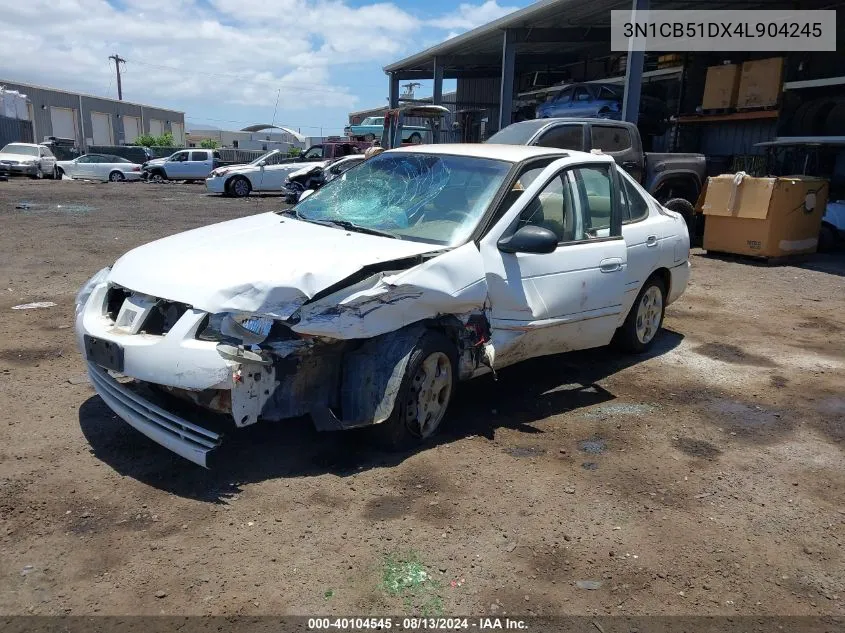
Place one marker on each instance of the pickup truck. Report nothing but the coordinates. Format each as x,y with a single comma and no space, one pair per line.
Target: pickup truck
193,164
674,180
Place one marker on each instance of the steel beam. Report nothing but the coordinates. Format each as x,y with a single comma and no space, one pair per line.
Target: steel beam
437,93
394,90
508,66
633,74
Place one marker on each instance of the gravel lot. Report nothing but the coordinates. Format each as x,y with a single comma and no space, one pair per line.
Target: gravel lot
708,478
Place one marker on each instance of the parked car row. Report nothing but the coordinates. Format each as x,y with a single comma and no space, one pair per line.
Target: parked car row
28,159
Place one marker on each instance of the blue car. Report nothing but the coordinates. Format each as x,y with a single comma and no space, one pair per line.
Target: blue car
595,100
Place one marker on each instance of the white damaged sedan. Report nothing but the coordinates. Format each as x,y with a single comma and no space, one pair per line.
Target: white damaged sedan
370,300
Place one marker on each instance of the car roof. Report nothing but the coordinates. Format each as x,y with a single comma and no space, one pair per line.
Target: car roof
510,153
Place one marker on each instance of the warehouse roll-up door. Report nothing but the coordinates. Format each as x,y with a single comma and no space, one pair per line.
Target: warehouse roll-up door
156,127
131,128
178,134
64,122
101,128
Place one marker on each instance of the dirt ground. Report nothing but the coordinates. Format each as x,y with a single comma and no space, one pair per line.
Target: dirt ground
708,478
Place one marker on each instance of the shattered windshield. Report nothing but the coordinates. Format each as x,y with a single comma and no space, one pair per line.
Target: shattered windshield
415,196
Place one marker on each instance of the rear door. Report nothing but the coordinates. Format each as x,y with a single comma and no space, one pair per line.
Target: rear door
201,164
583,103
568,299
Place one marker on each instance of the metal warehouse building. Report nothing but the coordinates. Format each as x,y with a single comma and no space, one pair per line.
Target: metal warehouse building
89,120
505,68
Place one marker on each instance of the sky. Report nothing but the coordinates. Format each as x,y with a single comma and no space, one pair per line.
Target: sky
303,64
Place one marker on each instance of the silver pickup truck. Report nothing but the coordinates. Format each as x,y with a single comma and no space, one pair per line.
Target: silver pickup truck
675,180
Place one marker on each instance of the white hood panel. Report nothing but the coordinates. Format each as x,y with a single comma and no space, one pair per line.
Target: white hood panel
263,264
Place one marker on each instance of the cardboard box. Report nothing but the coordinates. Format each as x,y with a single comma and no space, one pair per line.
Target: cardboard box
760,83
764,217
721,87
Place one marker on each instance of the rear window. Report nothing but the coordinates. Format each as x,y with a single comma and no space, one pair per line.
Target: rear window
517,133
563,137
200,156
611,139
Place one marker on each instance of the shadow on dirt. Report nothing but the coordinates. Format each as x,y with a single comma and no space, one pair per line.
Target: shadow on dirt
523,394
832,263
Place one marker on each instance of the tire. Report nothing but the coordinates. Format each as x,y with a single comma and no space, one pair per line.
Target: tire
687,211
39,175
56,175
369,137
239,187
645,319
834,125
116,176
429,381
415,139
156,176
60,173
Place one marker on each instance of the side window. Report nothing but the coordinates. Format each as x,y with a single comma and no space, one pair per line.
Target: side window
564,96
552,209
564,137
637,206
610,138
581,94
181,157
314,152
594,194
200,156
523,181
85,159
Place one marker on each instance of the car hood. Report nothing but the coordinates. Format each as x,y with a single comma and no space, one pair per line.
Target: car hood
16,157
263,264
156,161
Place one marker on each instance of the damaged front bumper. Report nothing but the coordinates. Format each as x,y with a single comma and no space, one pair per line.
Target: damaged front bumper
187,440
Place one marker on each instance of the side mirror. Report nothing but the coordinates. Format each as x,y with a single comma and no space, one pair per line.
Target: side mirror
263,163
305,194
529,239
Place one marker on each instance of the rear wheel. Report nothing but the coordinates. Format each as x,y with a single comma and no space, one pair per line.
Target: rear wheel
645,319
116,176
239,187
424,395
415,138
369,137
828,238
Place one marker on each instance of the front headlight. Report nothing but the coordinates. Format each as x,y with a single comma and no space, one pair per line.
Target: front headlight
220,172
88,287
29,163
243,328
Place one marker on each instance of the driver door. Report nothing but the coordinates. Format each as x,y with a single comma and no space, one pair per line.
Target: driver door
568,299
80,167
176,166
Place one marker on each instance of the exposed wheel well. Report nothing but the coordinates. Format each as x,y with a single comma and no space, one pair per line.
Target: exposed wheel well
663,275
685,187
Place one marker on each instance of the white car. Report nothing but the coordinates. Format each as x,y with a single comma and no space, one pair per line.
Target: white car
266,173
368,301
299,181
28,159
100,167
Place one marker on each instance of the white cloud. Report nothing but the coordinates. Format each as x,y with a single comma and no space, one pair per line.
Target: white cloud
186,53
469,16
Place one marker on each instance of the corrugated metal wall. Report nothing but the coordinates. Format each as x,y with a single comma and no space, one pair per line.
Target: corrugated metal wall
735,137
14,131
42,99
482,93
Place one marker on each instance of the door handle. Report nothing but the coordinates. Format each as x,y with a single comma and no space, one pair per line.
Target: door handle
610,265
651,241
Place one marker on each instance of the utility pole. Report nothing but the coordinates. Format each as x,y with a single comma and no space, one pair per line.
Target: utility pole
118,60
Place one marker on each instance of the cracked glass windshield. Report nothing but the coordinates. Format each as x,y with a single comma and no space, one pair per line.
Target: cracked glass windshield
413,196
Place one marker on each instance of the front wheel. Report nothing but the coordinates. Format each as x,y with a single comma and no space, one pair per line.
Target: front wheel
38,175
644,320
239,187
116,176
424,394
369,137
415,138
156,176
